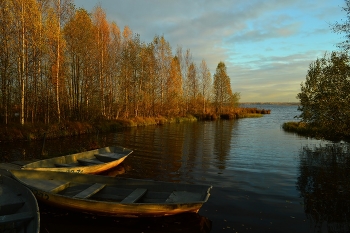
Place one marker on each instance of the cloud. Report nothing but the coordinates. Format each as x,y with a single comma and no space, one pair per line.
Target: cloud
277,79
267,45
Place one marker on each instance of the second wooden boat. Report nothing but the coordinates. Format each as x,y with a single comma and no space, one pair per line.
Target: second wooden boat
113,196
88,162
19,211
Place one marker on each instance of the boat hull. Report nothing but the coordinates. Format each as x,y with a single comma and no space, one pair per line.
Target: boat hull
109,201
115,209
19,211
71,164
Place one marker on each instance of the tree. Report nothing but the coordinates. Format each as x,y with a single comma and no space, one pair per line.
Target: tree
324,97
55,47
149,80
6,63
163,57
223,96
174,88
126,70
185,60
205,83
38,93
113,100
344,27
103,41
83,83
193,87
26,26
61,9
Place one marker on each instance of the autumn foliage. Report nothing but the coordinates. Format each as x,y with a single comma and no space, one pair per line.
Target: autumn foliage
62,64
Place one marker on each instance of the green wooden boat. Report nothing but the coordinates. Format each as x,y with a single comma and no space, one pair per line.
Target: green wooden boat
19,211
113,196
88,162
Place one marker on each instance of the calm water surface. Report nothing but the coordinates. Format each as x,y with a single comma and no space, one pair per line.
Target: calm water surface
264,179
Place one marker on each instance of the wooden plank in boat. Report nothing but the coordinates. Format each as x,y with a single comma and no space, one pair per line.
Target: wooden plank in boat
109,156
14,165
182,197
9,166
16,217
89,161
90,191
65,165
51,186
25,162
134,196
7,206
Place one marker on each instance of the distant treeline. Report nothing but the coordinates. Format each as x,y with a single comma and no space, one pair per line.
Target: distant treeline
59,63
269,103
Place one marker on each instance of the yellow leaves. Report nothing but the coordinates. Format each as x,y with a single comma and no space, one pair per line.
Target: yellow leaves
102,26
127,33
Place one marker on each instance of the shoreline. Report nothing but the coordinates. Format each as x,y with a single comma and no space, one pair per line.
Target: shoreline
270,103
40,131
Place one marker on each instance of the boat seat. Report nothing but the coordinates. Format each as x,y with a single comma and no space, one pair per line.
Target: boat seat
65,165
90,191
183,197
10,207
16,217
110,154
89,161
51,186
134,196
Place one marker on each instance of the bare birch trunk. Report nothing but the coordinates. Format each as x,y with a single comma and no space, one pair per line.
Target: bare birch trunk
58,62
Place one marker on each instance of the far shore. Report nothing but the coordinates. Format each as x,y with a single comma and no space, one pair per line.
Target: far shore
270,103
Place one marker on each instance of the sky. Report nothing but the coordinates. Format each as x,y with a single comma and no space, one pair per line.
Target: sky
267,46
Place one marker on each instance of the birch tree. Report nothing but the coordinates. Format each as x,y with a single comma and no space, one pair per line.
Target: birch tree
163,57
205,84
7,35
192,87
174,89
62,10
113,101
79,34
103,41
26,29
126,70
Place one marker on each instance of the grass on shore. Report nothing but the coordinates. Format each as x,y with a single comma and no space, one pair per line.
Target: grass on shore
307,130
300,128
37,131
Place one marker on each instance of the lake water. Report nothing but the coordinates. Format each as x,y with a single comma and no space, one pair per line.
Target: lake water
264,179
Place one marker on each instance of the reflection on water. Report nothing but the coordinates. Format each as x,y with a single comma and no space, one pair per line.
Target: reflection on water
264,179
179,152
222,139
324,184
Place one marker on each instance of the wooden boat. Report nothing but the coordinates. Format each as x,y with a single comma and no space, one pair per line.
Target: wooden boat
88,162
113,196
19,211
